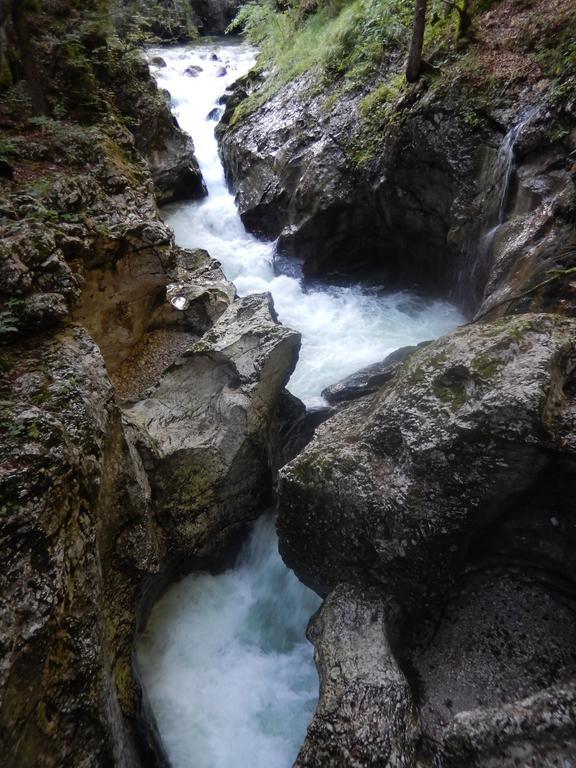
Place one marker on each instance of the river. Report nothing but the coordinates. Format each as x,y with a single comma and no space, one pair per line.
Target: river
224,659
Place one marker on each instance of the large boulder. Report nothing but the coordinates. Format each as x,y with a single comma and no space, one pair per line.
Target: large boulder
429,198
394,488
449,494
291,162
204,431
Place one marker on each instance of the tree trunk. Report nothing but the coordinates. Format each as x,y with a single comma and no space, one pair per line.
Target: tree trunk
415,54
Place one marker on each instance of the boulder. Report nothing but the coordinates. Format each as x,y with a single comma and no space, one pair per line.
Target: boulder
415,199
395,487
290,163
369,379
366,714
204,430
446,498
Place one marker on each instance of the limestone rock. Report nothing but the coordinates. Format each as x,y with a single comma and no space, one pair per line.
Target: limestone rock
393,489
369,379
204,429
290,164
69,494
449,493
421,209
168,150
540,729
365,716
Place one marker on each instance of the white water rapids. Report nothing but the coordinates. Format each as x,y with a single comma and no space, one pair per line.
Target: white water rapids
224,659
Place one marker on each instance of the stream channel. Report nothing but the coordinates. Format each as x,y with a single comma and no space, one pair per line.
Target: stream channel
224,659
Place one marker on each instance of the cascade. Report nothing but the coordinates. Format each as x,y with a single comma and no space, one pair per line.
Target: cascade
224,659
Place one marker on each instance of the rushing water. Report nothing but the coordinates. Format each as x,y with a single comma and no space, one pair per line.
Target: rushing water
497,179
223,658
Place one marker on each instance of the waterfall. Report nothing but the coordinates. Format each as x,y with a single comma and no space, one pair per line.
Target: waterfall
498,180
224,659
505,168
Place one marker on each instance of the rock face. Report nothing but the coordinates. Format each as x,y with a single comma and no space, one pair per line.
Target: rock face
169,151
62,503
105,490
424,210
449,491
152,21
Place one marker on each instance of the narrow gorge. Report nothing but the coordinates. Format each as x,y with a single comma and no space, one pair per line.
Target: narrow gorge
287,385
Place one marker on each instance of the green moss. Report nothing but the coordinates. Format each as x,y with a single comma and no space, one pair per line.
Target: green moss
376,111
309,466
452,394
438,359
486,366
339,41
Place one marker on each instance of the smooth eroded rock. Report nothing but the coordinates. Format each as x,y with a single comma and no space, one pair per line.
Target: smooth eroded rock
205,429
366,714
394,488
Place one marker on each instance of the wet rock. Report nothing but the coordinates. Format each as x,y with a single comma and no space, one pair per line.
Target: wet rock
369,379
366,714
420,208
124,285
448,492
214,16
214,114
68,491
221,72
193,70
175,171
158,61
540,728
290,165
449,441
209,456
169,151
200,296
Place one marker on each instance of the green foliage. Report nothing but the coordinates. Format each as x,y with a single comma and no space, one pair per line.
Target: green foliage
382,98
9,319
339,40
76,143
377,110
18,429
16,101
144,21
557,56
